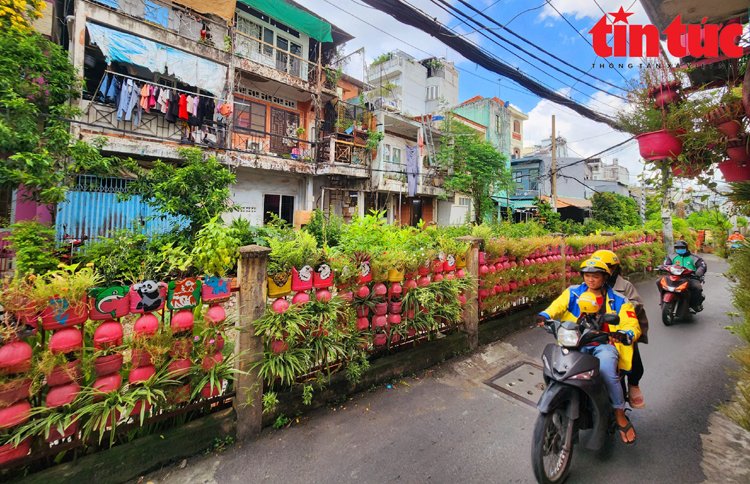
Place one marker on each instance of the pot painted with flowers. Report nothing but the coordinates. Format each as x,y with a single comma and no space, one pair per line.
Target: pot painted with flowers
365,272
109,302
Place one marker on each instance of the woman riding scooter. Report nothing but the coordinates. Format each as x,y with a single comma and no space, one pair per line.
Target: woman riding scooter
611,356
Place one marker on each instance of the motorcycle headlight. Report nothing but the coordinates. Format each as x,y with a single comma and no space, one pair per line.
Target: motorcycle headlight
586,375
568,337
546,363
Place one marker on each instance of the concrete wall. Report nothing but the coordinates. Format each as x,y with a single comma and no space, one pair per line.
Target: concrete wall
252,185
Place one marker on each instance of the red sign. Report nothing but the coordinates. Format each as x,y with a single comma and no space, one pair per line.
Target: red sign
697,40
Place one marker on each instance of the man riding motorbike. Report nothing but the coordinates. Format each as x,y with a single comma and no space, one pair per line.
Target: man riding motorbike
617,282
683,257
611,356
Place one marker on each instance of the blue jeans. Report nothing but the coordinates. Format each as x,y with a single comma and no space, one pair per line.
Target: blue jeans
608,358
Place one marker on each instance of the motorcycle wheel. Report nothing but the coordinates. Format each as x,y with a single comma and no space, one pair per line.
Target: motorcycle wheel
549,459
667,313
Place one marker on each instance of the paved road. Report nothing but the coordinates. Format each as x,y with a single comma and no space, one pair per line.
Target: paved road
448,426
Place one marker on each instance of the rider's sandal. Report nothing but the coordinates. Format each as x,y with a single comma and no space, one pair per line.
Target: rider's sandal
624,431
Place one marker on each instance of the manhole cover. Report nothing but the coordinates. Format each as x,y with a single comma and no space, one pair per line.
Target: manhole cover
522,381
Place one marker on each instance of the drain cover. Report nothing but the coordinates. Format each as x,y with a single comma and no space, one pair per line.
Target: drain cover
522,381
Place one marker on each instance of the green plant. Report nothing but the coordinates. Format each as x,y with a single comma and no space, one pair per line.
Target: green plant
325,229
373,139
270,401
307,394
33,244
385,57
216,249
356,368
223,371
69,283
292,249
281,422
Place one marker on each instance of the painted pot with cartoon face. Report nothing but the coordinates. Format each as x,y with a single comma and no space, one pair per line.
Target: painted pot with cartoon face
147,296
184,294
109,302
365,272
302,278
323,277
215,288
279,285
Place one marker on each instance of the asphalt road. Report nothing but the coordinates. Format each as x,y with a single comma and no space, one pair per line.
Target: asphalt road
448,425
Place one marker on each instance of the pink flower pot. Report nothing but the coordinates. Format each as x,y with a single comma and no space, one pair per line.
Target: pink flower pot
379,321
180,394
140,358
15,357
212,360
14,391
64,374
735,172
323,277
179,368
62,395
59,313
658,145
380,339
395,289
181,348
142,406
107,334
395,307
302,279
141,374
109,364
363,324
209,392
65,340
15,414
108,383
363,311
216,288
147,296
182,321
381,309
146,325
279,346
55,435
109,302
8,453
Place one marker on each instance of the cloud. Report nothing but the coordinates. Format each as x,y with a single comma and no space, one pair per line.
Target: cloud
581,9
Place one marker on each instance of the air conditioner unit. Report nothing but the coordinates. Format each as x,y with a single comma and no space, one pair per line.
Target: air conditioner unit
253,145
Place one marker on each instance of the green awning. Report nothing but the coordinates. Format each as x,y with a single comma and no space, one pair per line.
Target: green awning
294,17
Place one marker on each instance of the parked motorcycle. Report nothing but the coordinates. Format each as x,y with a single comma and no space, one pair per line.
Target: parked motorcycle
675,293
575,405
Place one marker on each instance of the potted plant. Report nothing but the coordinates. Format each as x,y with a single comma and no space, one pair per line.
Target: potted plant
63,294
16,298
214,254
111,302
665,93
727,115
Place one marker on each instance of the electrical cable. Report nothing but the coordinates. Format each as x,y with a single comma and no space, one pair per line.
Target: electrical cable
511,32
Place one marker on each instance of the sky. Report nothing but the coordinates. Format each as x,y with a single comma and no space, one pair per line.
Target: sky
537,22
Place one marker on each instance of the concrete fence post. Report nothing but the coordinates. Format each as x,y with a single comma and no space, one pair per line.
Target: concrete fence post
248,402
471,309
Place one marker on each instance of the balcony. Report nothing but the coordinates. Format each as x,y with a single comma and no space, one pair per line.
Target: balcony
268,55
385,68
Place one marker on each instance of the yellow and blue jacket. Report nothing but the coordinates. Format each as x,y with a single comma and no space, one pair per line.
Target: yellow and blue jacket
565,308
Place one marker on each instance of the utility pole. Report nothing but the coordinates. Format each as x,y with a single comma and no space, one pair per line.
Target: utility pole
553,180
666,210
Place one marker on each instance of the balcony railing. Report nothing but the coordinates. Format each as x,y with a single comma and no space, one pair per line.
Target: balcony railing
335,150
271,144
269,55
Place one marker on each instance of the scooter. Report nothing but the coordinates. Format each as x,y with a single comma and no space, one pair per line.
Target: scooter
575,405
675,293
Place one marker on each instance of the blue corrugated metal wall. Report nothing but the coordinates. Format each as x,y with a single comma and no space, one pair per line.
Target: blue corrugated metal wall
93,210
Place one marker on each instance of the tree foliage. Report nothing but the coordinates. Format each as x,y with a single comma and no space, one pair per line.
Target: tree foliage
36,82
17,16
615,210
474,166
196,190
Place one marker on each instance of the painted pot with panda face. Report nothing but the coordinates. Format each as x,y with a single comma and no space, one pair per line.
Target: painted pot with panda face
147,296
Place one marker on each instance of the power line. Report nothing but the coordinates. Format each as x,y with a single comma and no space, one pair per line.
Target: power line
455,34
511,32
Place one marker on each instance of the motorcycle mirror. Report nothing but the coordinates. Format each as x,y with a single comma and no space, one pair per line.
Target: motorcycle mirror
611,319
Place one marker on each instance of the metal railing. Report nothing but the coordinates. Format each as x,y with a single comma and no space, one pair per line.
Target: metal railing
272,144
269,55
334,150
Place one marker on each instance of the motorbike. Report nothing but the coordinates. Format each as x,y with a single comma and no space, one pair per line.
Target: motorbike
675,293
575,405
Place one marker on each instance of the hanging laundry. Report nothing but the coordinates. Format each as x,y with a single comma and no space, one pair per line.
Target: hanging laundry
101,94
183,114
152,97
132,101
113,92
145,93
162,100
173,110
126,93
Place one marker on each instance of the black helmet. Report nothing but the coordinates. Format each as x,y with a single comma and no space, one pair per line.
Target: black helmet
680,244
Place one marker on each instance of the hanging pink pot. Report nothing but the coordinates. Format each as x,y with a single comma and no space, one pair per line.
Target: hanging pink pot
323,295
379,321
140,358
60,313
182,321
279,346
66,340
395,289
179,368
146,325
107,334
8,453
450,263
737,151
141,374
735,172
180,394
55,435
664,94
437,266
658,145
381,309
380,289
482,258
363,311
15,414
423,281
109,302
424,270
363,324
302,278
395,307
301,298
380,339
62,395
731,129
211,360
690,171
363,292
215,288
14,390
280,305
365,272
410,284
141,406
108,364
15,357
437,278
323,277
181,348
460,273
210,392
64,374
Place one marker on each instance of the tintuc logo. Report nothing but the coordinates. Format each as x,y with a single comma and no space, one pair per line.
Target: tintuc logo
697,40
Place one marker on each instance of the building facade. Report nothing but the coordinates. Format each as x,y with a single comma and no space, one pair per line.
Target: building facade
504,123
403,84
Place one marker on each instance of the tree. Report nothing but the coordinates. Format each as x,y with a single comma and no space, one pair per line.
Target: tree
36,82
474,166
18,16
196,191
614,210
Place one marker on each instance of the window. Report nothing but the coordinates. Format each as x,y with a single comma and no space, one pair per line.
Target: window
386,153
281,206
465,201
250,116
498,123
156,13
516,126
396,155
432,92
255,31
6,206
